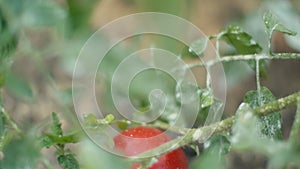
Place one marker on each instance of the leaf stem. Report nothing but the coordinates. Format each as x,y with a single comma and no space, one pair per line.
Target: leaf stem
257,75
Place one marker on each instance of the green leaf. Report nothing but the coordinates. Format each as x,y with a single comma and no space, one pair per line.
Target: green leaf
270,124
218,143
79,13
92,157
21,153
240,40
287,11
186,53
243,44
246,132
272,24
100,126
108,119
48,140
8,40
42,13
122,125
206,98
262,67
18,86
68,161
92,121
246,135
213,155
56,126
198,47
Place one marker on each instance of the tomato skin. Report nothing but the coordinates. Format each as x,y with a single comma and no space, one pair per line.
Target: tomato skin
136,140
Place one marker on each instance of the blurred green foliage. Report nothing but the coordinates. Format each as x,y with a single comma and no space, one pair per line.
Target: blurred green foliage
20,148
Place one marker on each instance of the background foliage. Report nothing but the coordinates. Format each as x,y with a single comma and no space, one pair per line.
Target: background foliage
40,40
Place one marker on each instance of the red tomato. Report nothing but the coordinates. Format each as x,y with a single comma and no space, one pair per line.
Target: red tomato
147,138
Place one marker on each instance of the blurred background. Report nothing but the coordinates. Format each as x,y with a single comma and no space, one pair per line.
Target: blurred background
41,39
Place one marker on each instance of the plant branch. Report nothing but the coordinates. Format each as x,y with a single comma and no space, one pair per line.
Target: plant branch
201,134
166,126
246,58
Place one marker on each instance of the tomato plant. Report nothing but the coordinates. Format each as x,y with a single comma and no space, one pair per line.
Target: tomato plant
39,42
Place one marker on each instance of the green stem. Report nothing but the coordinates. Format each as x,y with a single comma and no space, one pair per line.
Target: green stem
201,134
224,59
257,75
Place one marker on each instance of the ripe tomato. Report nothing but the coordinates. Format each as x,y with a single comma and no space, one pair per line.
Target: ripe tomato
136,140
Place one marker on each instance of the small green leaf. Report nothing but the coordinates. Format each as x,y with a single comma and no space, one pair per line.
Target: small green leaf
42,13
243,44
270,124
48,140
240,40
218,143
109,118
68,161
245,130
206,98
198,47
90,120
122,125
272,24
79,12
262,67
213,155
186,53
21,153
8,41
56,125
246,135
92,157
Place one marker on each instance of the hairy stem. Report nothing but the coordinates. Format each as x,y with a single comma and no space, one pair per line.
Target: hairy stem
257,75
246,58
201,134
